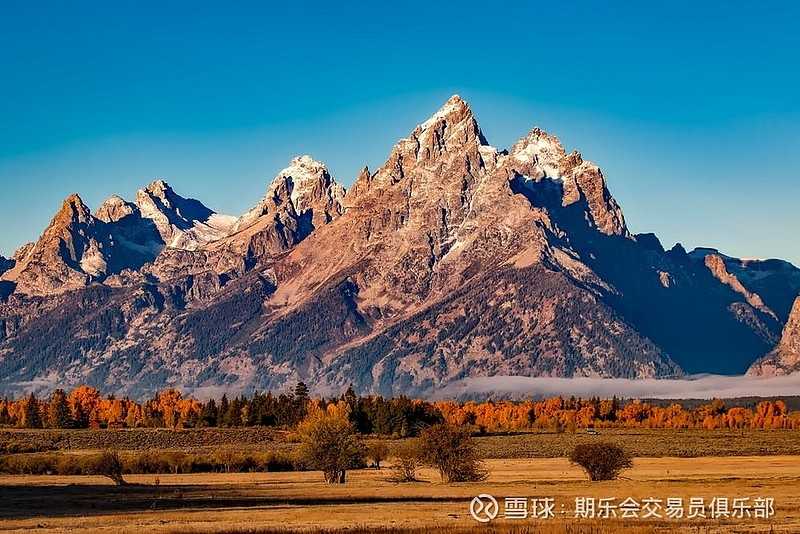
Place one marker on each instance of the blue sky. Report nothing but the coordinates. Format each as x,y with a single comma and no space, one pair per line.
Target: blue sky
690,108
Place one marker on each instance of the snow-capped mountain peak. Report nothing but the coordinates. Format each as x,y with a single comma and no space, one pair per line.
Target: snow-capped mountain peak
182,223
304,187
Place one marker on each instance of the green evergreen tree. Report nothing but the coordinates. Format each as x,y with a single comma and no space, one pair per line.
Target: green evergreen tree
33,416
301,392
5,417
58,413
208,414
222,409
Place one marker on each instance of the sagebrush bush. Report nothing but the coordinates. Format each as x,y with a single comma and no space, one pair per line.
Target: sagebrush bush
601,460
147,463
452,451
406,463
109,464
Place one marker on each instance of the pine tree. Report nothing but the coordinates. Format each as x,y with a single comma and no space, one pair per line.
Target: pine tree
301,399
350,396
208,414
33,416
58,413
222,410
301,392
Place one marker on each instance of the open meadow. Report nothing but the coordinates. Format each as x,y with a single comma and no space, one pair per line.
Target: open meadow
707,465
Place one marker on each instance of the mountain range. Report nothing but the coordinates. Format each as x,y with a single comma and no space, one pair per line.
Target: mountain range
452,260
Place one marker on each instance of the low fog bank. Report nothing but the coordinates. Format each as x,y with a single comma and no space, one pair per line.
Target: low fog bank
694,387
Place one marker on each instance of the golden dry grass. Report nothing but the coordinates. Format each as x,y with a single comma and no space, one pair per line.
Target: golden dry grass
274,502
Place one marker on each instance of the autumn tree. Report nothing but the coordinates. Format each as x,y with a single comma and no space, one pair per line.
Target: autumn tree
452,451
83,403
169,404
58,412
329,442
135,416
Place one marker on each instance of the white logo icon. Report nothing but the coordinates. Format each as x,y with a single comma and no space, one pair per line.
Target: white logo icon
484,508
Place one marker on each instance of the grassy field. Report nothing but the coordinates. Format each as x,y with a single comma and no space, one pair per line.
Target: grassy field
668,464
659,442
279,502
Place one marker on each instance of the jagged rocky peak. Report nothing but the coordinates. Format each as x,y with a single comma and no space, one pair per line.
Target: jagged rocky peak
155,198
115,209
305,187
450,128
307,184
72,211
539,156
449,144
66,256
183,223
785,359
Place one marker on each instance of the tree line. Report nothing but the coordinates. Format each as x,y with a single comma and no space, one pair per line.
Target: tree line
86,407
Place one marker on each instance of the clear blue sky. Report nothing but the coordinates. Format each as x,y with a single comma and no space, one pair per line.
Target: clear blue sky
690,108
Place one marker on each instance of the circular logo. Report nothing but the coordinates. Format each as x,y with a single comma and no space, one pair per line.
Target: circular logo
483,508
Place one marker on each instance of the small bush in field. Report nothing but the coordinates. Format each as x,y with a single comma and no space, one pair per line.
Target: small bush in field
453,452
378,452
406,463
276,462
602,460
109,464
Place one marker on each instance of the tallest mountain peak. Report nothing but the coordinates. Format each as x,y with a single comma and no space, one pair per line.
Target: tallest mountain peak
455,110
455,102
452,128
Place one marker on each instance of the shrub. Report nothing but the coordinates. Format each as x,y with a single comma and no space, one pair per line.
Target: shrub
109,464
602,460
277,462
72,465
452,451
378,452
406,462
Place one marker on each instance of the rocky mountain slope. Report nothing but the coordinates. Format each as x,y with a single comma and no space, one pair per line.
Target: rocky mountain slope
79,248
785,359
454,259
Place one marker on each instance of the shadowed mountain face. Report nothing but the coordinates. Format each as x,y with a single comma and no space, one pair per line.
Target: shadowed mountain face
5,264
452,260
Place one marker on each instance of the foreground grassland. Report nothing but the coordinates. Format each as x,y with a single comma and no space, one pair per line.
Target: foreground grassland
683,464
277,502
